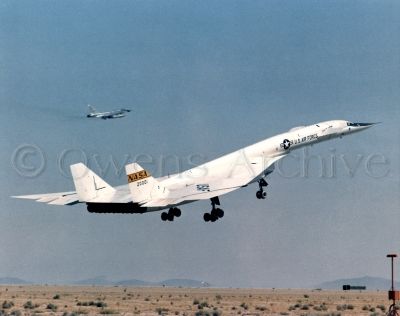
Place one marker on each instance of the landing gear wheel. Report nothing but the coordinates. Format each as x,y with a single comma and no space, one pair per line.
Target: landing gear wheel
170,217
177,212
213,218
263,194
260,194
164,216
219,212
207,217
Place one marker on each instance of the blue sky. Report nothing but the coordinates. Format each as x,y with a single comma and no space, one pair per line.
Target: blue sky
203,78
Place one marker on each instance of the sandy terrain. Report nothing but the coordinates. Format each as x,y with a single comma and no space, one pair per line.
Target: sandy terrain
74,300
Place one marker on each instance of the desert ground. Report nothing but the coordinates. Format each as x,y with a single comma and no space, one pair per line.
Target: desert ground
98,300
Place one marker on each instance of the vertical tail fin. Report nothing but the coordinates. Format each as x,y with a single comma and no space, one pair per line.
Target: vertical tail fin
142,185
89,185
92,109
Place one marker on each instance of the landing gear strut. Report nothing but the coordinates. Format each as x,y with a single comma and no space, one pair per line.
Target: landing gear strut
261,194
215,213
173,212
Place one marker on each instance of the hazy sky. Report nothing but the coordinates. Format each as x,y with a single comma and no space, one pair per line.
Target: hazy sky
203,78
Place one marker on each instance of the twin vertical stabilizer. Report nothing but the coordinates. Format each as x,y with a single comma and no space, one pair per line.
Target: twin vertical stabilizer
142,185
89,185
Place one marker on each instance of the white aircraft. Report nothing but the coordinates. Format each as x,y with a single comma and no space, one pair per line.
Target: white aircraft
106,115
143,193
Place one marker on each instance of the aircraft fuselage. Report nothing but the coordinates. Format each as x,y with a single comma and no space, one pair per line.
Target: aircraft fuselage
143,193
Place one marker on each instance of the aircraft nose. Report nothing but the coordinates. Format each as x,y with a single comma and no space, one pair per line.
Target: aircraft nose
362,124
355,127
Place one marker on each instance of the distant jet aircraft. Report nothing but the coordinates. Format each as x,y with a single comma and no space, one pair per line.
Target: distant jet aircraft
106,115
143,193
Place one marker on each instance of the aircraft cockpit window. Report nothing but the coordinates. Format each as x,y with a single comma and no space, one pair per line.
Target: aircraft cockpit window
357,124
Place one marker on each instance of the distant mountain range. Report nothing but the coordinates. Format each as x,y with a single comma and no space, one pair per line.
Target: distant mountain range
13,281
102,280
134,282
372,283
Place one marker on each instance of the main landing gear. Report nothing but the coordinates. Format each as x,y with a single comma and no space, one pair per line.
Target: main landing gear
215,213
261,194
173,212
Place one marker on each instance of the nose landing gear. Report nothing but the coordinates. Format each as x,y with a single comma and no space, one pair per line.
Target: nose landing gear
261,194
